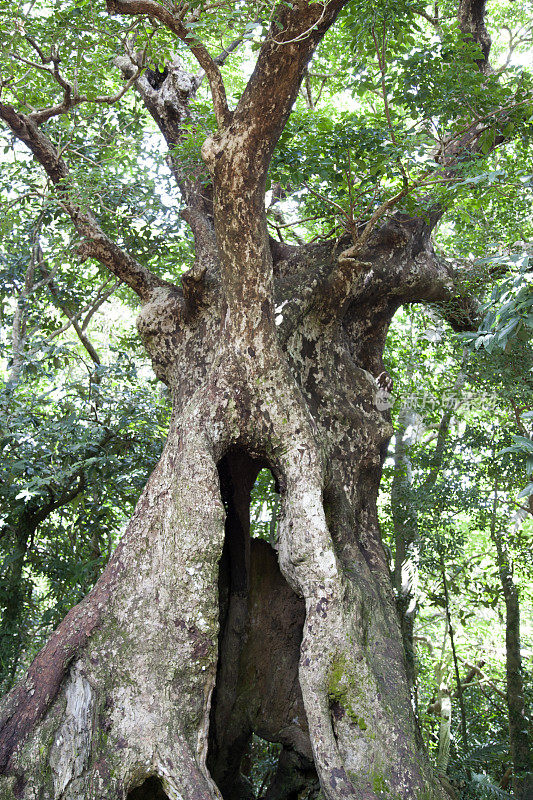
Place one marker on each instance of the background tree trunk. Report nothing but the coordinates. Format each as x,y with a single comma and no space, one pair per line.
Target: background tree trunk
406,546
521,753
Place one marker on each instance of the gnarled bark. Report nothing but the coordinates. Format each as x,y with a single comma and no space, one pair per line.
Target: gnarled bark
156,680
126,682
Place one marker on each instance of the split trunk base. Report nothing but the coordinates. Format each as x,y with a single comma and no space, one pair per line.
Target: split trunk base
196,637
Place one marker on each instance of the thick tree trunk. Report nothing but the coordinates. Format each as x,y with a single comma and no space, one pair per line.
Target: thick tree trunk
167,667
130,687
192,639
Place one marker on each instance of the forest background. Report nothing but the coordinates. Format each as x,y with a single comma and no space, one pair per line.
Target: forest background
83,418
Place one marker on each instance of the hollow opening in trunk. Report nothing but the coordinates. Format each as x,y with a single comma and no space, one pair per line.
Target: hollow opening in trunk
151,789
258,737
264,508
259,763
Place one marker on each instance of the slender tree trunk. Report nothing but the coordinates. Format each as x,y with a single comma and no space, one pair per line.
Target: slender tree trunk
521,752
405,504
405,520
18,334
451,634
12,627
443,704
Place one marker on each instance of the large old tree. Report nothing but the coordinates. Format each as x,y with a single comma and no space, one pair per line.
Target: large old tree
195,636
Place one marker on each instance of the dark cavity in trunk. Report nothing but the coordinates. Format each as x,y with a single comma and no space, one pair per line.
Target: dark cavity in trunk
259,742
151,789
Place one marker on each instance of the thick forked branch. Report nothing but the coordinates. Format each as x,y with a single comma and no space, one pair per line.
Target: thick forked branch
266,102
350,264
96,243
239,156
166,95
214,76
396,264
461,309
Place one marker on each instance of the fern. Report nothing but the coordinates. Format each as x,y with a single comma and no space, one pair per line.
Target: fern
483,753
477,785
488,788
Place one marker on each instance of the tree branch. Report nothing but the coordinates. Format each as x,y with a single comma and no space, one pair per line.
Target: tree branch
232,46
440,447
96,243
50,66
74,318
173,23
80,332
271,91
351,263
166,96
27,703
101,297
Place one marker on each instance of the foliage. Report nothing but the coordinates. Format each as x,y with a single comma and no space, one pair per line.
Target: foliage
264,508
509,312
455,525
77,445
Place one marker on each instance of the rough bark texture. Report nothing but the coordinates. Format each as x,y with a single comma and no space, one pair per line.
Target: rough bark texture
471,16
303,402
193,638
307,408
